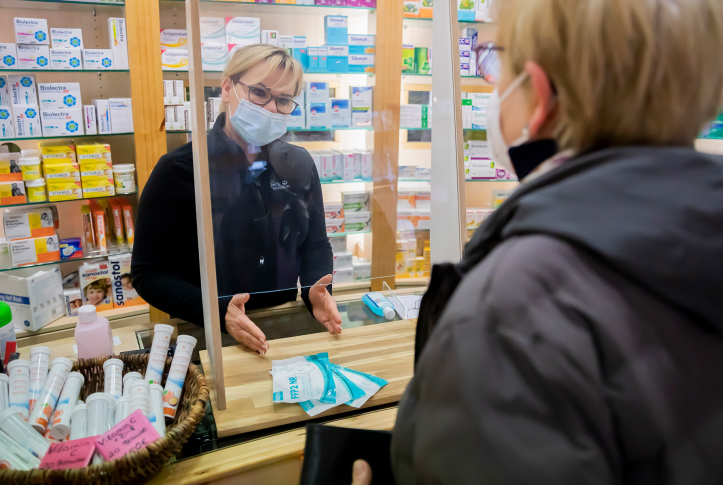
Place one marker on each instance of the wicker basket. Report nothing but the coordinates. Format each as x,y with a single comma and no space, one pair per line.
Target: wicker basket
139,466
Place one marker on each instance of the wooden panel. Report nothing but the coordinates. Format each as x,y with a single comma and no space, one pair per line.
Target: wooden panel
204,221
386,141
385,350
267,460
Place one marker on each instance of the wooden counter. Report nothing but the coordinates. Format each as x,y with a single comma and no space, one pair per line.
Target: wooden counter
385,350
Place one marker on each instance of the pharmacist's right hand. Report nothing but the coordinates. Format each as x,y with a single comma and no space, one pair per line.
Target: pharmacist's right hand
242,328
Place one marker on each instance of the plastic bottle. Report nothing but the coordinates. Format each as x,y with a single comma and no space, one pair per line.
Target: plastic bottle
379,304
7,332
92,334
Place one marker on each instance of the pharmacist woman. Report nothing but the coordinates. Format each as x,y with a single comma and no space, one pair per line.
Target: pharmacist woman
268,212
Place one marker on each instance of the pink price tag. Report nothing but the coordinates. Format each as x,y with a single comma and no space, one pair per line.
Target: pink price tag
69,454
132,434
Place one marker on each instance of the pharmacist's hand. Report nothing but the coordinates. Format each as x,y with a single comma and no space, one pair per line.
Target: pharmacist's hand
242,328
361,473
324,306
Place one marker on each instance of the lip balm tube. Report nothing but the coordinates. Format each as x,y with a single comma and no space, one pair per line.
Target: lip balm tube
159,352
100,408
60,429
79,422
4,392
113,371
39,365
15,456
122,409
41,415
128,380
19,382
24,435
177,374
156,418
141,397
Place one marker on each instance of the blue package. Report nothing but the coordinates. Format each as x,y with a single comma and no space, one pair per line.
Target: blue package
337,59
336,30
70,248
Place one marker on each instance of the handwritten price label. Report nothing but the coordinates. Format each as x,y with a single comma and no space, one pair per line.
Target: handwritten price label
69,454
132,434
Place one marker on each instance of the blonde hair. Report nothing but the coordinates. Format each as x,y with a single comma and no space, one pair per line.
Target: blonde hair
247,57
625,71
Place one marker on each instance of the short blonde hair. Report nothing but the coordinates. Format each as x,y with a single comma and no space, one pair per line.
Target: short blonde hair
625,71
276,58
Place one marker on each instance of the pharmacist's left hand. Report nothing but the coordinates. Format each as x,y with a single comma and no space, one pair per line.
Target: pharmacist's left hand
324,306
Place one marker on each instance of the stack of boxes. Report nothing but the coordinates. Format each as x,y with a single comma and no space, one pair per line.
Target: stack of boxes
479,166
415,116
414,206
31,235
317,110
467,10
346,165
62,172
418,60
96,170
178,111
349,216
474,110
475,217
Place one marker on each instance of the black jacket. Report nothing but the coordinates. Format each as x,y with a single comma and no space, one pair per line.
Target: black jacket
268,224
583,344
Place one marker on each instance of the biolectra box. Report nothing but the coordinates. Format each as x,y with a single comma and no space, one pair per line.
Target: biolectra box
59,122
66,59
98,59
31,31
26,121
59,96
8,56
66,38
33,57
22,90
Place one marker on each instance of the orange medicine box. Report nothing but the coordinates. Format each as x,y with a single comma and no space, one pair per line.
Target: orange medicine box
10,167
117,225
36,250
100,226
29,224
12,193
128,220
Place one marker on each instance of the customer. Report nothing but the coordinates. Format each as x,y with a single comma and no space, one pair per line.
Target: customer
584,342
268,211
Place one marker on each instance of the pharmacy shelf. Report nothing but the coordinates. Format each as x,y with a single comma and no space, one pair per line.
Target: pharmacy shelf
77,2
458,21
85,258
64,201
3,140
279,5
429,75
422,129
72,71
417,281
305,72
337,182
354,128
492,180
339,234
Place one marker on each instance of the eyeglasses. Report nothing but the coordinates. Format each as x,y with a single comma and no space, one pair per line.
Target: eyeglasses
488,61
261,96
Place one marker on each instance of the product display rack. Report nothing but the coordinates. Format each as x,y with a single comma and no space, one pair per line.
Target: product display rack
64,137
73,2
280,5
84,258
62,71
30,204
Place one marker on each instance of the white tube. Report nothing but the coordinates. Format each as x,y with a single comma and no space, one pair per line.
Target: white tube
128,381
25,435
113,372
19,377
100,413
39,366
141,397
177,374
156,418
159,353
15,456
79,422
41,415
60,428
122,409
4,398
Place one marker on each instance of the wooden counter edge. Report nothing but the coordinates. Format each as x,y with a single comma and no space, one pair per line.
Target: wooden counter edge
253,455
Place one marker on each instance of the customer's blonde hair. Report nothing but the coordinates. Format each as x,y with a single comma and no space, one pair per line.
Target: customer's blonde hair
625,71
276,58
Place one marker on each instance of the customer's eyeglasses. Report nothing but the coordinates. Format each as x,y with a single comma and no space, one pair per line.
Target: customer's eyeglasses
261,96
488,61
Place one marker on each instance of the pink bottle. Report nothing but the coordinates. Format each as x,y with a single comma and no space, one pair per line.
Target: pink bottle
92,334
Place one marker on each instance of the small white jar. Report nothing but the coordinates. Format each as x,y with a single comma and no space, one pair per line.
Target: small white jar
125,178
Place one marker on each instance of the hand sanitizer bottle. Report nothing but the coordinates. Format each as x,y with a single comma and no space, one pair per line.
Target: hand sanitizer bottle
379,304
92,334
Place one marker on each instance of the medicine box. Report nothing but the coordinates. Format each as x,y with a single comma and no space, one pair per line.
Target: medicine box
340,116
66,38
36,250
361,105
334,226
423,200
362,270
300,51
337,167
96,170
412,8
360,44
62,122
35,297
479,120
214,109
66,59
118,39
482,169
481,11
407,58
59,95
357,221
102,112
347,165
29,223
214,57
414,116
95,285
313,56
341,276
22,90
338,244
72,300
179,92
270,37
327,166
243,30
58,154
168,97
297,119
33,56
93,152
8,56
465,10
124,294
323,58
342,260
174,60
71,248
336,30
355,201
7,130
90,121
366,166
213,29
10,170
31,31
121,115
333,211
98,59
26,121
337,58
64,190
97,188
4,91
173,38
286,41
361,63
62,172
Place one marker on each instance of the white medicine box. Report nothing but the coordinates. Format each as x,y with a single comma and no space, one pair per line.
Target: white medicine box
22,90
66,38
31,31
33,56
59,95
8,56
66,59
98,59
62,122
35,297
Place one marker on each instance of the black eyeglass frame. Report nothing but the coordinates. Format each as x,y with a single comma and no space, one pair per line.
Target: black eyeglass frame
271,98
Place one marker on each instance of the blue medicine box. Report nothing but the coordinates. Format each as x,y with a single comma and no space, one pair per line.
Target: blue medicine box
336,29
338,58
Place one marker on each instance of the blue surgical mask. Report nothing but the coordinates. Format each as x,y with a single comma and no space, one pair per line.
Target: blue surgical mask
255,124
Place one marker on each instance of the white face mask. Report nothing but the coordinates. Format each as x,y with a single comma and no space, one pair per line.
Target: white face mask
496,141
255,124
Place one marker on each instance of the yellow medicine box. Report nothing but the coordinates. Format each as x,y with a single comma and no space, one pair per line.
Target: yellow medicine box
62,172
94,152
64,190
62,152
98,188
96,170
